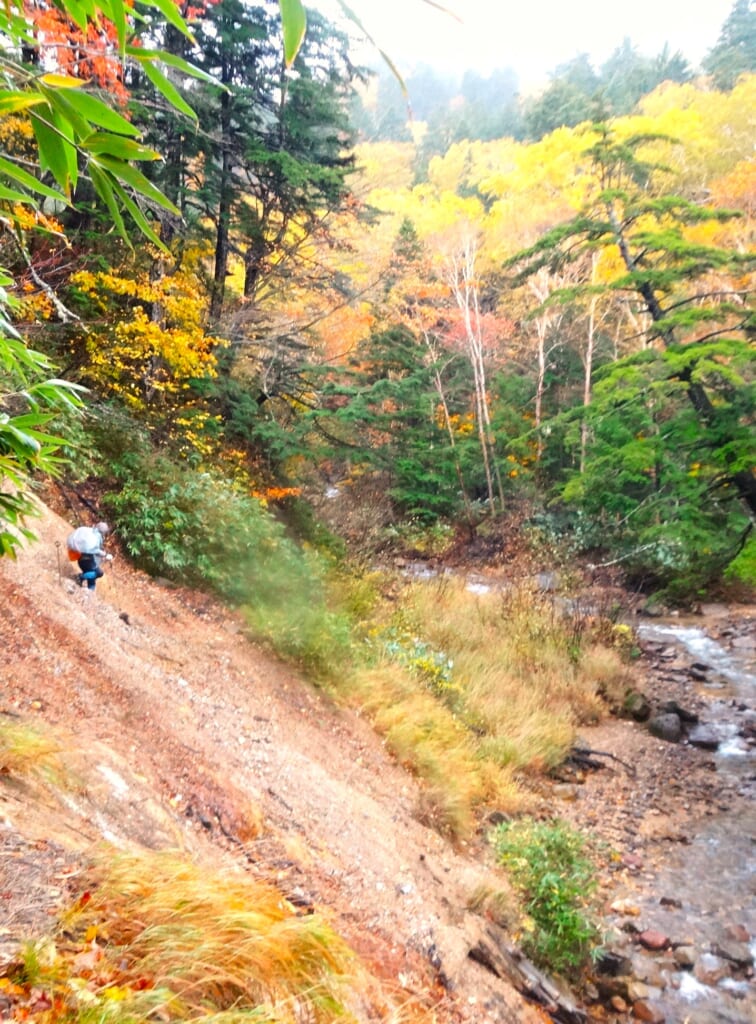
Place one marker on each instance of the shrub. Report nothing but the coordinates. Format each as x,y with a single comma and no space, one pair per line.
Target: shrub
200,529
548,864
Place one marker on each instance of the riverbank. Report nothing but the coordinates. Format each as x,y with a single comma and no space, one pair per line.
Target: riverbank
675,831
187,734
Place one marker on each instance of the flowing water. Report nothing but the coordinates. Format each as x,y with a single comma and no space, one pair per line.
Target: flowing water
713,878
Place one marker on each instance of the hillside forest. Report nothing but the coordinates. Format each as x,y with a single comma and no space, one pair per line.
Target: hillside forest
293,325
249,297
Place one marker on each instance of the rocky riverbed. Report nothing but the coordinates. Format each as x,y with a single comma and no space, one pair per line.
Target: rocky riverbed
674,819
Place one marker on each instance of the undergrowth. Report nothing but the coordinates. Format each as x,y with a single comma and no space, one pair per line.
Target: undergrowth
196,527
26,752
493,684
154,937
547,862
472,690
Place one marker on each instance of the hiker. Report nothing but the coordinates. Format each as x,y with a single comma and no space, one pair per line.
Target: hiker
86,545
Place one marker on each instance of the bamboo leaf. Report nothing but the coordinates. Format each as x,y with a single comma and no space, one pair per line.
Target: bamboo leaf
134,177
55,81
99,113
63,127
294,22
10,195
52,154
116,145
171,13
168,89
104,189
139,218
77,12
172,60
10,170
116,11
59,103
11,102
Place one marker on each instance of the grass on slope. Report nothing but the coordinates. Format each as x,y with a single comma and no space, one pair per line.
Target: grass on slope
473,690
158,937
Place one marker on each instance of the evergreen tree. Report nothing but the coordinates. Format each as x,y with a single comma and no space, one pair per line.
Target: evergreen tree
669,466
569,99
627,75
385,414
270,157
735,51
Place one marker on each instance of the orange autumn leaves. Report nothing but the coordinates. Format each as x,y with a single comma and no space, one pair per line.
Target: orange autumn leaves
91,55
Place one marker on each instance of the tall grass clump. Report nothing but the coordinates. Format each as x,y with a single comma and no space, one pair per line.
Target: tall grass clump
27,752
547,862
429,739
471,691
527,676
198,528
155,937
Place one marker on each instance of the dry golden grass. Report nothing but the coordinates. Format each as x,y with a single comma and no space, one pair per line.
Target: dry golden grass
519,661
188,943
26,752
524,677
426,737
604,668
156,937
217,939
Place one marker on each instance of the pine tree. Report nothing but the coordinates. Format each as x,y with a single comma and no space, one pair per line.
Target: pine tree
671,428
735,51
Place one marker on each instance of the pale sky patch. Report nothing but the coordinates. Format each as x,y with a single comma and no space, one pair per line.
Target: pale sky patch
534,36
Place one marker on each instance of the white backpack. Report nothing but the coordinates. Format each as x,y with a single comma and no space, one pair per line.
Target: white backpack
83,541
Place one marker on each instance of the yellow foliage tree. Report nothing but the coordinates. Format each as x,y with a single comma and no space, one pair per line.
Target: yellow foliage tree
149,341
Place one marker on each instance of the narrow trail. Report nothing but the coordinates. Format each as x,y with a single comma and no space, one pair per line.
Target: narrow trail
188,735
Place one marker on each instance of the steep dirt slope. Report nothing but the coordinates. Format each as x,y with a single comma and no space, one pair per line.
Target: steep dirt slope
187,735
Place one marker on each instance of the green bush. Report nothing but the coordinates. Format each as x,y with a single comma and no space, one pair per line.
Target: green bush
199,529
548,864
743,568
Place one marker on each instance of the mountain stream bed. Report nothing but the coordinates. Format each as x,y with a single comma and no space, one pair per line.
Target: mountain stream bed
701,895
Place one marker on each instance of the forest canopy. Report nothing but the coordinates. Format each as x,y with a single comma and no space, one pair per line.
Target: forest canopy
227,243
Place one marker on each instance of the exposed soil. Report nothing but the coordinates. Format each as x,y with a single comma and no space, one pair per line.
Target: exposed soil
184,733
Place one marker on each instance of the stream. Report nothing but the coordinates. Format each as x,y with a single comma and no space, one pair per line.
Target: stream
701,894
712,879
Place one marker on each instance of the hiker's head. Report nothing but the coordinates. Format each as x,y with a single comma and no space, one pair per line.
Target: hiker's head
103,528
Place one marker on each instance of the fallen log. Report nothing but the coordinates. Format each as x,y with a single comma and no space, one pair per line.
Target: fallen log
508,963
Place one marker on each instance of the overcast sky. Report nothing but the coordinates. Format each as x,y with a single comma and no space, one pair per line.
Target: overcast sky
534,36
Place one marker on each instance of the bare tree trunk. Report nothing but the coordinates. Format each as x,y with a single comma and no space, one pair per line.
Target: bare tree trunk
461,278
223,226
587,378
546,324
590,344
540,383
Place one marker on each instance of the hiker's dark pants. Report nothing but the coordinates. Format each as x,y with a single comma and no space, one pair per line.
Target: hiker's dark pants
90,571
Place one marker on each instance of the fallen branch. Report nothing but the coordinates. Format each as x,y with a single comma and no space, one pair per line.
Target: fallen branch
585,753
